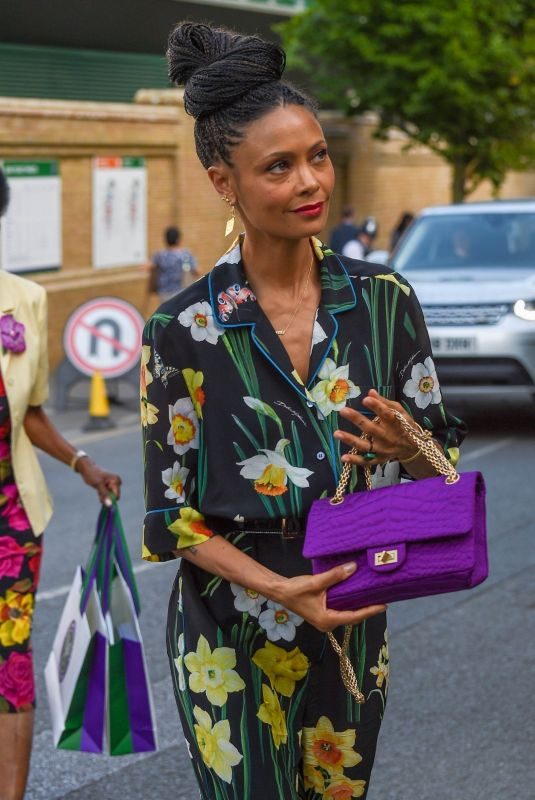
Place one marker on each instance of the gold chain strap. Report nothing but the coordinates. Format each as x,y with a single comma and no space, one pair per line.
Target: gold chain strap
428,448
346,667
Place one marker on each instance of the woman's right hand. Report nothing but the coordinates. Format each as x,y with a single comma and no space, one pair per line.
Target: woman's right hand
306,595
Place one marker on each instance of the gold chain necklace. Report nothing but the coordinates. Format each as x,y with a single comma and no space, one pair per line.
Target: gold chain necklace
299,302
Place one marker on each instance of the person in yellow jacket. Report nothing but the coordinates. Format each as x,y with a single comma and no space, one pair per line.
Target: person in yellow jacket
25,506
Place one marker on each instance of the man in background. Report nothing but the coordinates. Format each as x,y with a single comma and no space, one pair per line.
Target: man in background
360,246
345,231
170,265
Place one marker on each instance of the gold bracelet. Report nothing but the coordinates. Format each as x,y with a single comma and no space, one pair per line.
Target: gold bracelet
412,458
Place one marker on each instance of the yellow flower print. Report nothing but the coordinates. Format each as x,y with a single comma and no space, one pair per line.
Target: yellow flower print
146,554
392,278
453,454
382,670
325,747
272,714
194,382
212,672
283,668
318,248
190,528
342,788
145,377
217,751
149,413
15,618
314,778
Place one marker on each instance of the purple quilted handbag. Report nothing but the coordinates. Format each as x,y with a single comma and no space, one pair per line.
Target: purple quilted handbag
410,540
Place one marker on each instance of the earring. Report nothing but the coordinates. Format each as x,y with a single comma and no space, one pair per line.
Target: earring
230,221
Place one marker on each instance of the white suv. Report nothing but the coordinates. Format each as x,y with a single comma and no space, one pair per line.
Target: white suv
473,269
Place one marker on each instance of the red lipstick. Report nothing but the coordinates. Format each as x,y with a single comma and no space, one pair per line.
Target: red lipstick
312,210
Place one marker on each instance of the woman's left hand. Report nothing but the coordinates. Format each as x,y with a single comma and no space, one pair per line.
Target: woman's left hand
385,436
99,479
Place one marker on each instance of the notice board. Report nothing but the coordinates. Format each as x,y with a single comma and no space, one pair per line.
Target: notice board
31,230
119,211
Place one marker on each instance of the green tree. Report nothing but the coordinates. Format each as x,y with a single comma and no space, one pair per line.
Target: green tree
455,75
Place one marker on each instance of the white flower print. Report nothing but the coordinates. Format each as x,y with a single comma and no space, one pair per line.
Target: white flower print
270,471
247,600
423,385
175,478
179,664
278,622
318,334
199,319
232,256
386,474
334,388
184,431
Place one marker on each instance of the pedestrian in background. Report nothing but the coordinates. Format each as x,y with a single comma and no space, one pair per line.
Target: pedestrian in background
403,223
168,266
359,247
246,381
25,506
344,231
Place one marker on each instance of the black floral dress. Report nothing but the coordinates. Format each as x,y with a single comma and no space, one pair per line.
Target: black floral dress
231,436
20,561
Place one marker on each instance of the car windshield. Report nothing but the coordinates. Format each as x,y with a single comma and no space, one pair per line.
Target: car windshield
475,240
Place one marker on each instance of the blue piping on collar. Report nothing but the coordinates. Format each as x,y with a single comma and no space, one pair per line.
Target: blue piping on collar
263,350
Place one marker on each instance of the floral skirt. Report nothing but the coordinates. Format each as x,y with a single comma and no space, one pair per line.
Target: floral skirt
259,692
20,561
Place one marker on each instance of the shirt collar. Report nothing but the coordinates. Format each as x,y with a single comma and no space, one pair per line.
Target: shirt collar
233,302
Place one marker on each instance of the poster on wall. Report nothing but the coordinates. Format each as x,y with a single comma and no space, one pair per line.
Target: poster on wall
119,212
30,233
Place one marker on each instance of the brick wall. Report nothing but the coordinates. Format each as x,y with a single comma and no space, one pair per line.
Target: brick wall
378,178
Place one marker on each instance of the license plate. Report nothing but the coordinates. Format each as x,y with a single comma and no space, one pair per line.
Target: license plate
453,344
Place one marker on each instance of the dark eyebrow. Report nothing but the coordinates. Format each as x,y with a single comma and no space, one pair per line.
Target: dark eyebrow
286,153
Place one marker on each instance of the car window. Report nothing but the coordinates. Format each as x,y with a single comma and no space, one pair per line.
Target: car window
472,240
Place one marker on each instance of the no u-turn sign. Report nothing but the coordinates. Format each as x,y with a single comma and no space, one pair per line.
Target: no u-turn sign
104,335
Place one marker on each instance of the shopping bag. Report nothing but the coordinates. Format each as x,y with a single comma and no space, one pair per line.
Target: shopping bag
131,720
76,670
75,673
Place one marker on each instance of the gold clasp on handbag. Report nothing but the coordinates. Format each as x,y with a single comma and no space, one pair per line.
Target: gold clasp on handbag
386,557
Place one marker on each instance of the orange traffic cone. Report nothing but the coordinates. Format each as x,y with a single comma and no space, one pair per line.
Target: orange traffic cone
99,407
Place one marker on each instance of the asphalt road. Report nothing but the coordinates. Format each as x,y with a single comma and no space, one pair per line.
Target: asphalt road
459,722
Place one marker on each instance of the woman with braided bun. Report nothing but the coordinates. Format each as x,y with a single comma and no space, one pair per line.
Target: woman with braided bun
255,382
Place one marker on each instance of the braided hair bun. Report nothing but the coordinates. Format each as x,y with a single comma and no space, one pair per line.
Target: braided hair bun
217,67
229,81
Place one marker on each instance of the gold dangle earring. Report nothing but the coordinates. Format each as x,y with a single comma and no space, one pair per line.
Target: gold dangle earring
230,221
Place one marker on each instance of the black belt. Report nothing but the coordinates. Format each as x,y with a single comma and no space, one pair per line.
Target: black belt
286,527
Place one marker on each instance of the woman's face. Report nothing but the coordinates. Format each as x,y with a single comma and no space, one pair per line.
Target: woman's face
282,177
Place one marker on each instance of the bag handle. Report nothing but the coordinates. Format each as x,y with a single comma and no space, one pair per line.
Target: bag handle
425,444
93,571
122,556
346,667
434,455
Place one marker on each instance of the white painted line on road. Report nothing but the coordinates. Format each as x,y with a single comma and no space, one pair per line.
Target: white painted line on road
81,438
484,451
63,590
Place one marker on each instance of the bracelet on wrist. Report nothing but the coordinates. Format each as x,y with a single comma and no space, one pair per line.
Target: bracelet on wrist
73,463
412,458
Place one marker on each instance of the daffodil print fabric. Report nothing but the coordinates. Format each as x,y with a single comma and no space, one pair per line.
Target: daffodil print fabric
231,432
259,692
